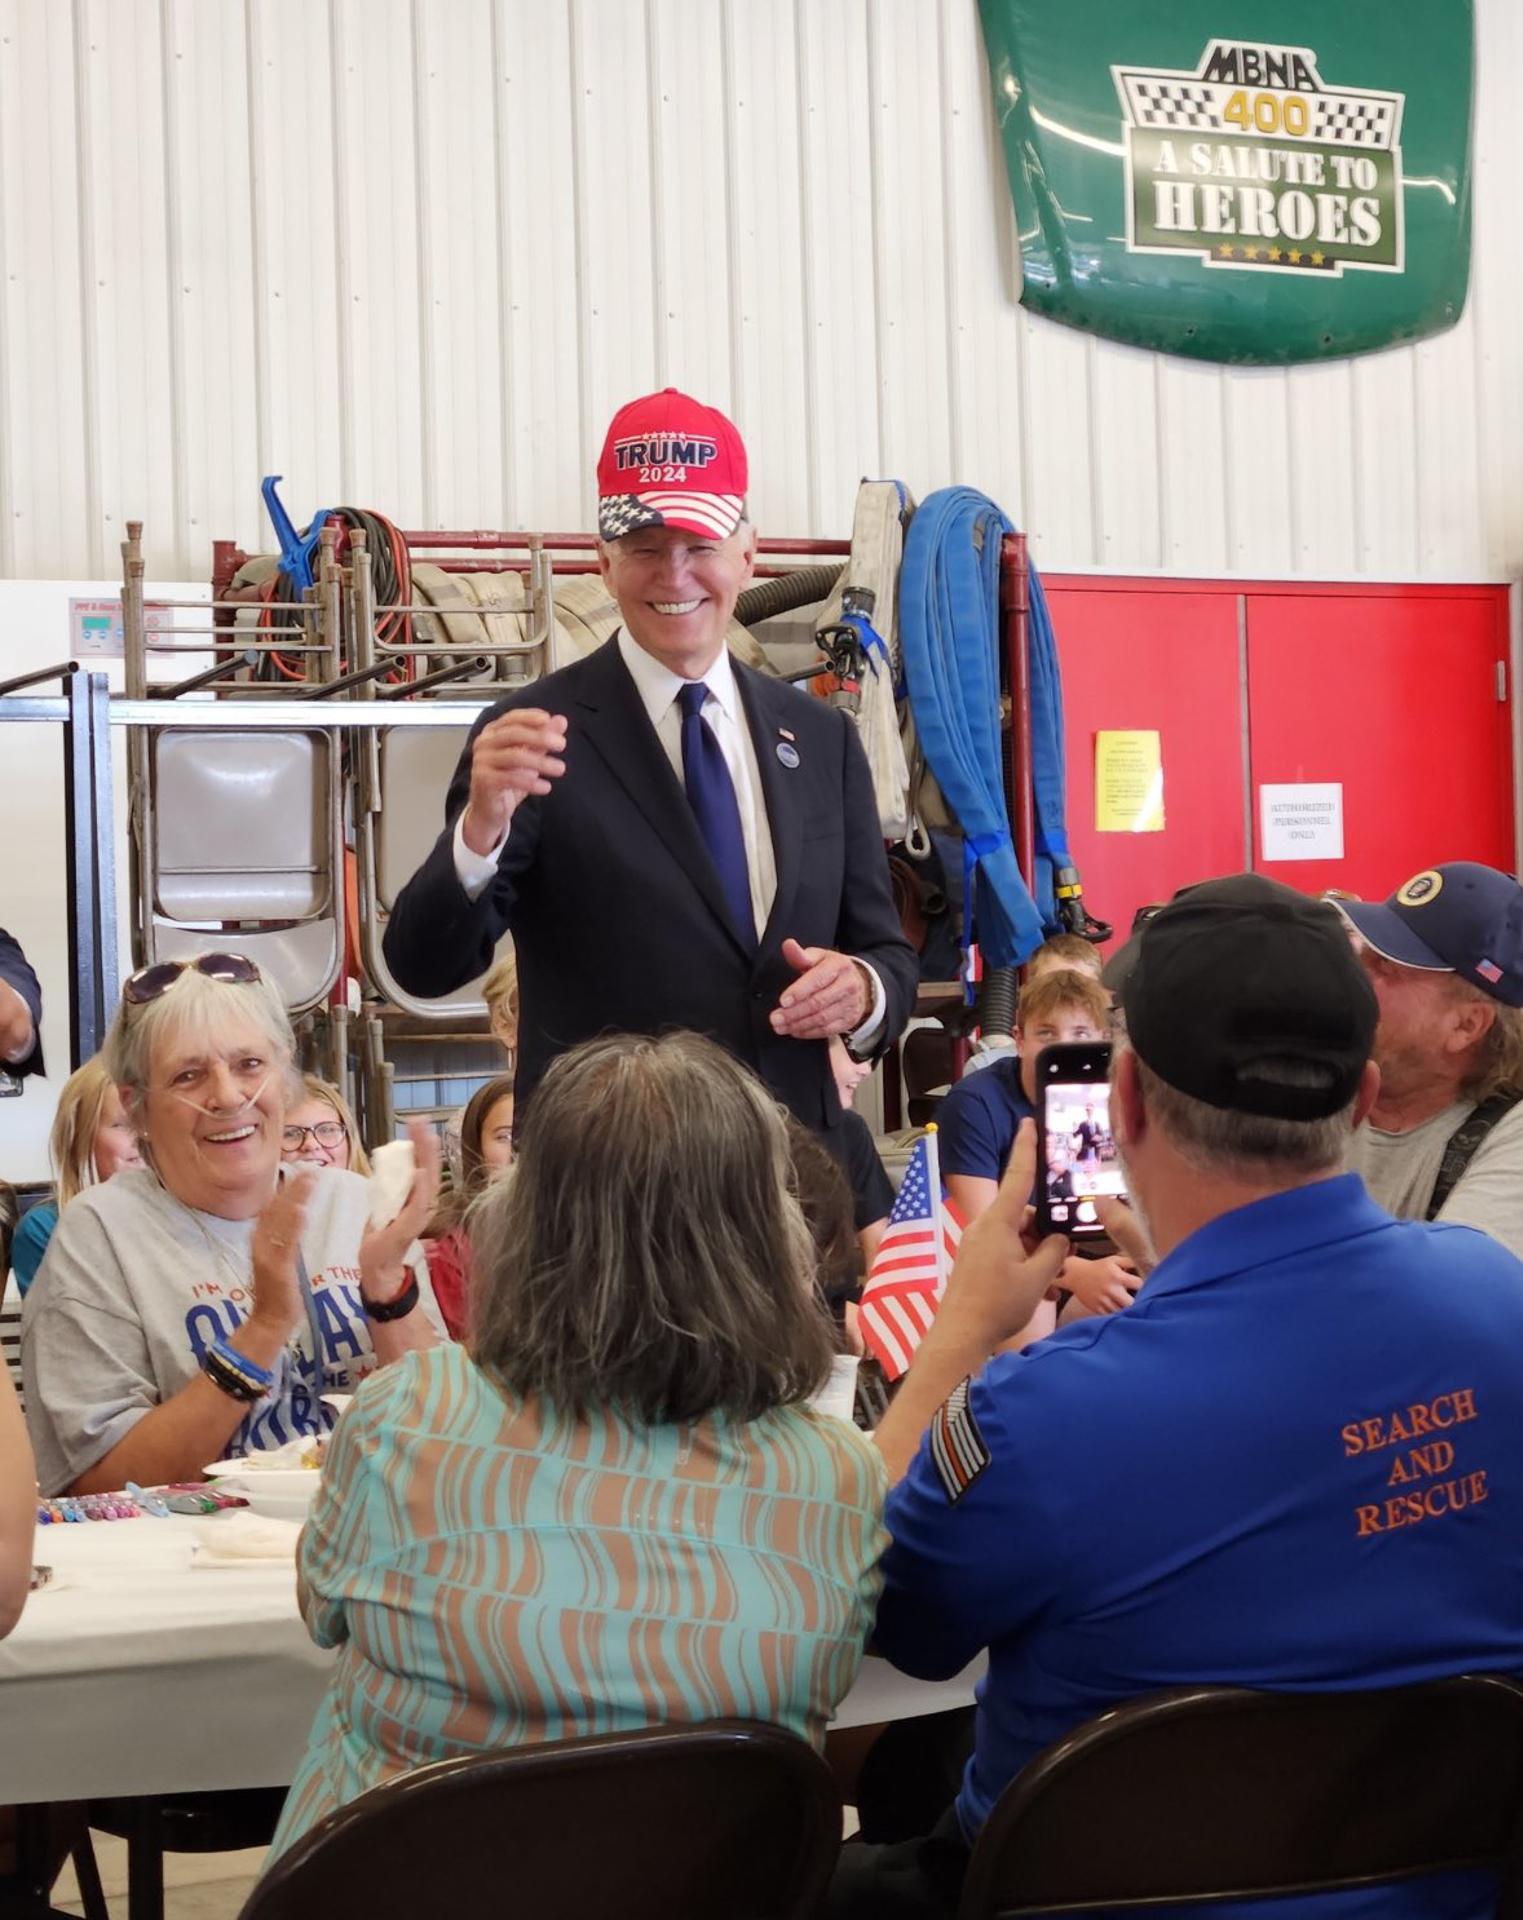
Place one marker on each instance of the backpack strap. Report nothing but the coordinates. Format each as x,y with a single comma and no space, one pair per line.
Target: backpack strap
1464,1141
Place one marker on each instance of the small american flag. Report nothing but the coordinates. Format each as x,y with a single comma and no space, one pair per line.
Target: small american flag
909,1270
1488,970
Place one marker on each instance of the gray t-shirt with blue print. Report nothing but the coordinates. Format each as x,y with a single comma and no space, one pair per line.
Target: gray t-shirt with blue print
134,1289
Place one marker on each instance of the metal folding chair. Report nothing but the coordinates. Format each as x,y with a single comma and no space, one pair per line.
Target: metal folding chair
236,835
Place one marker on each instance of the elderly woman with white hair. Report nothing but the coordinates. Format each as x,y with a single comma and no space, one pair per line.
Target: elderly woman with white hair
202,1304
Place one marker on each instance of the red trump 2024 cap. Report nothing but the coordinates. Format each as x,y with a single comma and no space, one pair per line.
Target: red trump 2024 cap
670,461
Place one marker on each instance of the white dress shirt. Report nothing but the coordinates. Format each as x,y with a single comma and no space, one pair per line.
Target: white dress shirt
724,714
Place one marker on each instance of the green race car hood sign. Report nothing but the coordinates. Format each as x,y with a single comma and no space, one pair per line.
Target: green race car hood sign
1258,184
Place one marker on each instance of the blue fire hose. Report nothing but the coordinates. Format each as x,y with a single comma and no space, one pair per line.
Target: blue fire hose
949,632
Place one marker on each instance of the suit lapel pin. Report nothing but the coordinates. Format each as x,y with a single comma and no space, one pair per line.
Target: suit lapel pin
788,753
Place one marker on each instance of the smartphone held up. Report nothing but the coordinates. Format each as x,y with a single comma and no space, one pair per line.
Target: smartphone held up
1078,1162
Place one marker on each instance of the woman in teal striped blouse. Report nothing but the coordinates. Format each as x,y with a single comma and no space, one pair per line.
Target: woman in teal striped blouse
615,1509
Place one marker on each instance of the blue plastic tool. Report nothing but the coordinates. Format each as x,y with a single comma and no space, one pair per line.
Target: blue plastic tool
296,549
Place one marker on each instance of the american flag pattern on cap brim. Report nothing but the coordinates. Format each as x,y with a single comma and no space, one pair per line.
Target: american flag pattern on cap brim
717,514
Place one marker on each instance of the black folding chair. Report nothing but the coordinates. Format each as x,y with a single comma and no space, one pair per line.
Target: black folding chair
1217,1793
156,1824
927,1063
35,1841
730,1820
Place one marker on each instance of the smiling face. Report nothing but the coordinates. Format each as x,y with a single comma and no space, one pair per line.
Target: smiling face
213,1113
314,1136
847,1073
677,591
497,1135
116,1144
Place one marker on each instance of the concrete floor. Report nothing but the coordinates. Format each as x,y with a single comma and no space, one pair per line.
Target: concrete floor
197,1886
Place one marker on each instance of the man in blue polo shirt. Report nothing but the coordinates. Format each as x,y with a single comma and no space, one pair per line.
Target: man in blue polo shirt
1295,1463
20,1011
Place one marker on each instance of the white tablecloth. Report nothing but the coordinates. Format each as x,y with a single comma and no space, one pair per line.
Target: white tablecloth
134,1673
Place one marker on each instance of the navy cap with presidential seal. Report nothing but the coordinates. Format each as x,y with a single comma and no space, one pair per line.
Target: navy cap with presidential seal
1236,979
1459,918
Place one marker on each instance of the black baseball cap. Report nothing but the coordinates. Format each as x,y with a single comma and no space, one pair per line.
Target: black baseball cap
1244,970
1113,974
1461,918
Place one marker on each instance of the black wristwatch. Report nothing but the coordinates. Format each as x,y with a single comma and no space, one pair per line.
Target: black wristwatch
397,1309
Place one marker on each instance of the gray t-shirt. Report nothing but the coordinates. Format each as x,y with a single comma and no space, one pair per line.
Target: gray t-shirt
134,1289
1400,1168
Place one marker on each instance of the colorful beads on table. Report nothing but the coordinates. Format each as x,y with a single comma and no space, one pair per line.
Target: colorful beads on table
86,1506
195,1497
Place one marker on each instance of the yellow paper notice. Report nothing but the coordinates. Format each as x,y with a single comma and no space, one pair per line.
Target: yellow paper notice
1128,783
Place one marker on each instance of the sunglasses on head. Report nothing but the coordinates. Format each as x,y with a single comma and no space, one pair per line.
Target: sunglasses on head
150,983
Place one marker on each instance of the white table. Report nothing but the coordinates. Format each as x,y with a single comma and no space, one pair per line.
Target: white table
129,1673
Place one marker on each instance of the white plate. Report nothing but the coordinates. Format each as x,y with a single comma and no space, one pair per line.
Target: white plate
274,1506
283,1493
278,1479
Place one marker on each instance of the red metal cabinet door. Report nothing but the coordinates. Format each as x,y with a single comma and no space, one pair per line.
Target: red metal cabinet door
1394,694
1139,655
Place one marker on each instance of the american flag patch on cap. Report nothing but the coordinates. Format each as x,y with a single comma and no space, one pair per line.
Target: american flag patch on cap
958,1452
1488,970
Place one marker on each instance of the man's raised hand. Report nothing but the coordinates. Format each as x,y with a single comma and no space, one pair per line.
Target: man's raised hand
1001,1273
999,1276
518,753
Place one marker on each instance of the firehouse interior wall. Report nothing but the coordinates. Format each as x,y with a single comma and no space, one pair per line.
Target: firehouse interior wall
411,256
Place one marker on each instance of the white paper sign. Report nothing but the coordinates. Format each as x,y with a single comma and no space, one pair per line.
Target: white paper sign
1301,822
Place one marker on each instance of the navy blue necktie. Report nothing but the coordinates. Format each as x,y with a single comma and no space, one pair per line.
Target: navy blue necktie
711,795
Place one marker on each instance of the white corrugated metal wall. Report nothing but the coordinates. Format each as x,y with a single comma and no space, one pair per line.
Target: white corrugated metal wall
411,253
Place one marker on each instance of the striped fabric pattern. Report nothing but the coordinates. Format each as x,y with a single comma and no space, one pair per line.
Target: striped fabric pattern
495,1575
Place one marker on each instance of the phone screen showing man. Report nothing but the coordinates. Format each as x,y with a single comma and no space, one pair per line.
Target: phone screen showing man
1081,1158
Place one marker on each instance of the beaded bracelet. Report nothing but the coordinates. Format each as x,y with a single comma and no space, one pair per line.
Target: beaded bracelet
235,1374
229,1380
251,1370
230,1383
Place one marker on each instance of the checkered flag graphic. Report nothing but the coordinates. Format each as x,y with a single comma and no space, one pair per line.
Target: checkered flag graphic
1353,123
1175,103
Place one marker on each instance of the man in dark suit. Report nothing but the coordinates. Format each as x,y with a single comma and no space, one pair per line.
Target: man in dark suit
671,838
